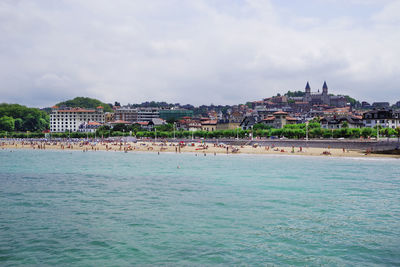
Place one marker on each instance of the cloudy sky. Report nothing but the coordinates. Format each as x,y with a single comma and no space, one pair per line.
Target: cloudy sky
196,51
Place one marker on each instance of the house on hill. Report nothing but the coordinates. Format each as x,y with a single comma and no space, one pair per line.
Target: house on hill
279,119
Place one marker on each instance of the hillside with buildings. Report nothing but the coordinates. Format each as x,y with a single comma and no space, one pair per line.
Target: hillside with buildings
87,115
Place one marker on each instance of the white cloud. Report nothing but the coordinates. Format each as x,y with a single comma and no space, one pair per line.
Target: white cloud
190,51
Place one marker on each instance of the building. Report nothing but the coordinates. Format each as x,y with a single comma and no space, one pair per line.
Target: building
188,124
175,114
113,123
339,122
126,114
109,116
147,114
228,124
322,98
149,125
209,125
89,127
365,105
248,122
381,105
70,119
132,115
382,117
279,119
342,112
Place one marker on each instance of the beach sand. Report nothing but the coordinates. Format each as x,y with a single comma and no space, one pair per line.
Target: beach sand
195,147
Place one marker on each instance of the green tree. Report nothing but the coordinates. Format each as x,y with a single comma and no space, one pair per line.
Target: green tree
165,127
295,94
120,127
261,126
397,133
32,119
366,132
19,124
6,124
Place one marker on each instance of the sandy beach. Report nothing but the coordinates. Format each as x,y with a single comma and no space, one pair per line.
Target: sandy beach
191,147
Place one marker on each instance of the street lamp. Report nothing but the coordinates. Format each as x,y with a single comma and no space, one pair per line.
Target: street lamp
306,130
377,131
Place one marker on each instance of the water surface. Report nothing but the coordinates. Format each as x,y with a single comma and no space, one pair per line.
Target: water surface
121,209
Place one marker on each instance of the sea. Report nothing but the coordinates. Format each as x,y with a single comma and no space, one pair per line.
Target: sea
74,208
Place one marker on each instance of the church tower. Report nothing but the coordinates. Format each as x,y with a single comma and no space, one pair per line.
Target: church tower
307,97
325,88
325,96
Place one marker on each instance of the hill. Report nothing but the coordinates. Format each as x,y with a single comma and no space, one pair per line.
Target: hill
85,102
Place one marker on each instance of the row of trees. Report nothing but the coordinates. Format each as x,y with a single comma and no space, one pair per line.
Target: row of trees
14,117
291,131
267,133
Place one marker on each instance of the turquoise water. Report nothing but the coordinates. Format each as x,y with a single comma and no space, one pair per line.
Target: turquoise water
122,209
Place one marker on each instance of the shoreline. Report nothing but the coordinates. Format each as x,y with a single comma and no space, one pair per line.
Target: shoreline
194,148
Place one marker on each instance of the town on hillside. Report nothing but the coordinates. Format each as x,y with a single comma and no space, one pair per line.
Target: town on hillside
333,115
332,112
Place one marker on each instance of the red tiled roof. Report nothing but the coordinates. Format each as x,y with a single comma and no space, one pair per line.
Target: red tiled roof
120,121
291,118
280,113
99,107
271,118
76,110
94,123
209,122
143,122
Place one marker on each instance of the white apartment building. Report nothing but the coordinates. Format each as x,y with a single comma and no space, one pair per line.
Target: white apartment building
69,119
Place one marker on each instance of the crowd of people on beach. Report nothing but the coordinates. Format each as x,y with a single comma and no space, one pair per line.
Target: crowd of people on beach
148,145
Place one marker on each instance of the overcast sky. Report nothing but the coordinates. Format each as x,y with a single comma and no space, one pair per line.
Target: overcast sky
196,51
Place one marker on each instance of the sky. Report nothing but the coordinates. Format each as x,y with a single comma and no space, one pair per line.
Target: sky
196,51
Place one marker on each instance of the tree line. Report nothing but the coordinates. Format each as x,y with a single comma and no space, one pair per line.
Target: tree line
295,131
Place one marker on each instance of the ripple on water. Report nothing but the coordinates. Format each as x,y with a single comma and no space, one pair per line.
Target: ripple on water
123,209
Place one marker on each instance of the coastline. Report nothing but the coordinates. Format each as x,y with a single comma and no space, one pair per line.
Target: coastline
192,147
